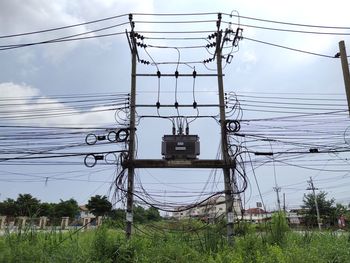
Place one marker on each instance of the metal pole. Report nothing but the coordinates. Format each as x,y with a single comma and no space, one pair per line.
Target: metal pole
224,146
131,169
345,67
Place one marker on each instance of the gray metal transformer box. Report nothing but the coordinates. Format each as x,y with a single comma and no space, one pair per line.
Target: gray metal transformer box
180,146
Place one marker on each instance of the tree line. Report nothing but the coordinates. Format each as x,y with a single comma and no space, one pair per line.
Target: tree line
27,205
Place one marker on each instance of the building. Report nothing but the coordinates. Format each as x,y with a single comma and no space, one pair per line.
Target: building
294,219
84,212
209,210
256,215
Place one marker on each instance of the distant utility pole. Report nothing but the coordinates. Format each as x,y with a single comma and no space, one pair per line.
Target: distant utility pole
224,144
284,202
345,67
277,190
312,187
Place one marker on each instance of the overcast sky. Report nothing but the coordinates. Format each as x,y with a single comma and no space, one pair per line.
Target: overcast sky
40,78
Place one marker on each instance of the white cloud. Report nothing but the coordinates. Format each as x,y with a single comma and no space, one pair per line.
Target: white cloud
31,15
20,100
12,90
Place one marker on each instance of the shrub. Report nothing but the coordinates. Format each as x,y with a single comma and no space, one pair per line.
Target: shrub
278,228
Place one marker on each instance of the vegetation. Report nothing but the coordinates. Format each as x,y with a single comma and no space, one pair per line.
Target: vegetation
27,205
329,211
173,241
158,240
99,205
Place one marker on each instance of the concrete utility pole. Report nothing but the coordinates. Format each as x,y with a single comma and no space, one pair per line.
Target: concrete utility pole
345,67
224,144
277,190
131,153
284,202
312,187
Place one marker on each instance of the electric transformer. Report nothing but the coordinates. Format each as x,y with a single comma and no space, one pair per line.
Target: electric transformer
180,146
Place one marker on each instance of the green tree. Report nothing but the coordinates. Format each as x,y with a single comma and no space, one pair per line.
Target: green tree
325,207
152,214
99,205
117,214
142,215
47,209
68,208
8,207
27,205
139,214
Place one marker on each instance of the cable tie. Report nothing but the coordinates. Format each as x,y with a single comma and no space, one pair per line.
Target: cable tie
194,105
176,74
263,153
99,157
158,104
194,73
101,137
176,105
159,74
313,150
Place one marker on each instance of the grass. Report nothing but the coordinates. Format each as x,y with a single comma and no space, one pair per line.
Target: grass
176,242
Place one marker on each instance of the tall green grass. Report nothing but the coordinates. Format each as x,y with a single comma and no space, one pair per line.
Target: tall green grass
189,241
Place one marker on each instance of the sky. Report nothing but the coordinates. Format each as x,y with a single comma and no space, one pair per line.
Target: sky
53,95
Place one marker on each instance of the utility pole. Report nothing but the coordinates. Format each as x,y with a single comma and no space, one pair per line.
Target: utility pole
131,152
345,67
224,144
277,190
284,202
312,187
131,163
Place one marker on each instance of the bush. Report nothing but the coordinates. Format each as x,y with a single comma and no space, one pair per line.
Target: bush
278,228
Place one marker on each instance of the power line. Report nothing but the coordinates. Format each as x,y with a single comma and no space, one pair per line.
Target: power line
64,38
288,48
291,30
62,27
286,23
